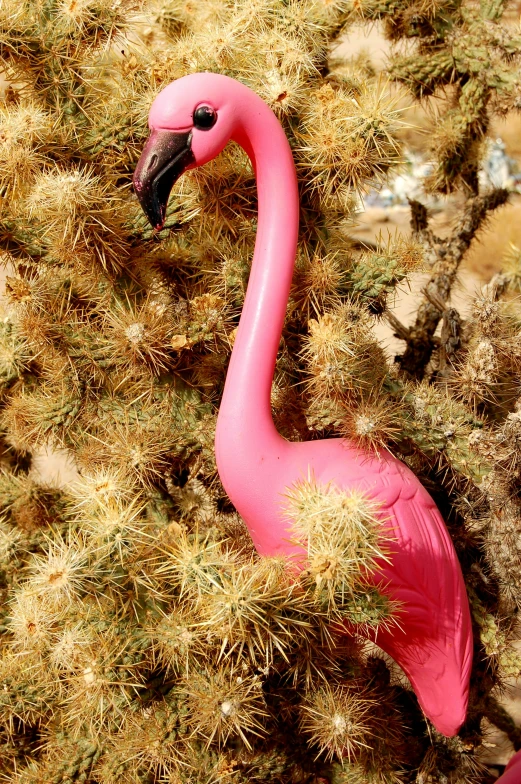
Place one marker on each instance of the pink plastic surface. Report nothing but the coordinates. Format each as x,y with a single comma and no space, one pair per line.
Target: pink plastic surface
512,774
257,466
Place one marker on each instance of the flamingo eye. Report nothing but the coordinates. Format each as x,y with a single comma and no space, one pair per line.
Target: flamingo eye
205,117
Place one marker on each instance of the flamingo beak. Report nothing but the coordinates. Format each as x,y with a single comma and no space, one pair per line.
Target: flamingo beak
166,155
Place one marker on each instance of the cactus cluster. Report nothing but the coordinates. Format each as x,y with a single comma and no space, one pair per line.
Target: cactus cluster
142,639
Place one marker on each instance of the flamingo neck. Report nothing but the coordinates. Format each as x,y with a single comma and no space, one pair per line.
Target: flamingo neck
245,411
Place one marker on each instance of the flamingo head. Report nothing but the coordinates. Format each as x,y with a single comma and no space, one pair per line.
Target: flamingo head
191,121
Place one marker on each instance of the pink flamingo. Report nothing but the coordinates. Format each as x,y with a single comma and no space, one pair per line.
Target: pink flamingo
512,774
191,122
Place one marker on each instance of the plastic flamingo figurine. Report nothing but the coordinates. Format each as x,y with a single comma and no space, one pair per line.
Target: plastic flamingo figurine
191,122
512,774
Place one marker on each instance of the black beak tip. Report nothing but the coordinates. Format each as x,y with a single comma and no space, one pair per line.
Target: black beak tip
165,157
157,216
149,202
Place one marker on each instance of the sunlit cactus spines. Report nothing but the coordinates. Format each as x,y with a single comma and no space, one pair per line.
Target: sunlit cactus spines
143,639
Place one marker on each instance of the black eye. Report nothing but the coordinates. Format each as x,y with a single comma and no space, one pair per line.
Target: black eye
204,117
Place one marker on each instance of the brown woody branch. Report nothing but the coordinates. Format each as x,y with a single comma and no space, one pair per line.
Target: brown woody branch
444,256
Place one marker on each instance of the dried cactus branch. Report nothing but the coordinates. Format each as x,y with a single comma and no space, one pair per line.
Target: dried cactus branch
445,256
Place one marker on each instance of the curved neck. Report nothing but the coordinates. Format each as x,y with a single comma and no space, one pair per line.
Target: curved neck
245,405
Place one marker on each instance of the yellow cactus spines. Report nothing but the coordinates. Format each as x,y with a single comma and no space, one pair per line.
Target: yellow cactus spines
257,609
344,541
142,638
77,216
319,278
32,621
23,132
189,564
345,141
371,423
153,742
41,416
178,640
224,704
139,333
337,721
61,574
339,352
15,352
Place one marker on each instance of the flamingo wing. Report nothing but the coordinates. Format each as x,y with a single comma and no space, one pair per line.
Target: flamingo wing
433,642
433,639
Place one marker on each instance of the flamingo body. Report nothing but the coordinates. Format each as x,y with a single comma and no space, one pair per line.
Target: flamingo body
433,640
256,465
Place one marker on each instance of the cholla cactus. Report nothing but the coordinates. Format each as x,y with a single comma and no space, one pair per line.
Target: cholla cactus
142,638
